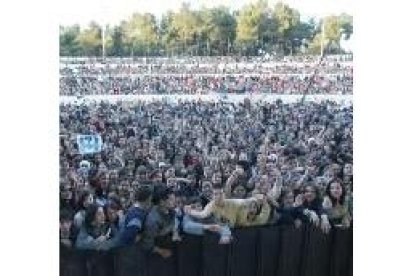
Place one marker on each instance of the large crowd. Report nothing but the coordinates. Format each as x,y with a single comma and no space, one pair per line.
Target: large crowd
202,84
168,169
204,75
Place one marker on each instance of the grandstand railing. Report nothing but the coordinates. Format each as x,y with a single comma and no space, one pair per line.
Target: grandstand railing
265,251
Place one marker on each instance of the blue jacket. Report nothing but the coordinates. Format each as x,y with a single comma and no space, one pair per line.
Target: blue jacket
133,225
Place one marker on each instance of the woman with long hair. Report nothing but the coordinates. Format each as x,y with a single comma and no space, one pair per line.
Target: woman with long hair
312,207
95,233
336,205
85,199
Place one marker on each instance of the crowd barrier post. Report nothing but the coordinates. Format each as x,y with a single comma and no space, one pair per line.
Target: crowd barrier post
243,259
262,251
290,257
316,252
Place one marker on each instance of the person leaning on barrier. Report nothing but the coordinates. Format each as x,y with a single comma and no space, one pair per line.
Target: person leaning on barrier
256,213
336,205
135,216
194,226
115,219
288,213
226,210
159,224
95,233
313,211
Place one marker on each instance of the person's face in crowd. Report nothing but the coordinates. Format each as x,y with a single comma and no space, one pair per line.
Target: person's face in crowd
239,192
170,173
100,216
113,176
124,202
112,214
98,159
169,203
104,181
263,186
348,169
207,189
288,199
312,169
336,169
320,182
218,195
227,172
88,201
336,190
180,201
65,226
66,192
122,142
157,177
329,175
309,193
135,184
197,206
123,185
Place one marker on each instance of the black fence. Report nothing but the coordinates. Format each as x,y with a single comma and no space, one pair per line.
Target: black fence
269,250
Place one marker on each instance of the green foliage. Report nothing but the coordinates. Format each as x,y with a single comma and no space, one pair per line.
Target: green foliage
214,31
68,43
90,40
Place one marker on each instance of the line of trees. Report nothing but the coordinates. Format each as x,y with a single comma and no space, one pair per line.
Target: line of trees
254,28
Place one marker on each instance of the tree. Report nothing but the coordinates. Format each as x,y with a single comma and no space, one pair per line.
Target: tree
219,28
186,26
115,42
68,44
288,25
346,22
253,26
141,33
90,40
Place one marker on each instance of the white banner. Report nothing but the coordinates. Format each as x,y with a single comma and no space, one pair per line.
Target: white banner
88,144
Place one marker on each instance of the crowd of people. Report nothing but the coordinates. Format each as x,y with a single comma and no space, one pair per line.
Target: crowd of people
116,69
204,75
205,84
170,169
205,59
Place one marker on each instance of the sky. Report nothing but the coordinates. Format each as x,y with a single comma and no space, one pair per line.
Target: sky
113,11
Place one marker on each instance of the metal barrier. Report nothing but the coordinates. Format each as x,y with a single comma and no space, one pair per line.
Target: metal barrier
263,251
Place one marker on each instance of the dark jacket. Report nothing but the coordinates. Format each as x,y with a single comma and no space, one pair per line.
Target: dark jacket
158,229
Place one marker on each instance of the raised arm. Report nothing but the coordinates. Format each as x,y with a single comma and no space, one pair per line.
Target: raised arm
206,212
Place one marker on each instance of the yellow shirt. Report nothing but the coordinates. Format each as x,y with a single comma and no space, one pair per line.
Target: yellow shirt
260,219
230,211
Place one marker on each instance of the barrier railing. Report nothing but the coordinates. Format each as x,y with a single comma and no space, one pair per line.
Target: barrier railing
262,251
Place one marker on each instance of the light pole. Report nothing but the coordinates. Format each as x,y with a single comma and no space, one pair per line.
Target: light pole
103,41
322,36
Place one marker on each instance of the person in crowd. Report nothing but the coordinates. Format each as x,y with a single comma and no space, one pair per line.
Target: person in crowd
159,224
95,233
85,200
227,211
287,212
195,226
135,216
67,233
313,211
335,204
302,146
